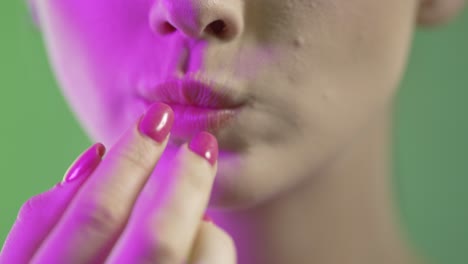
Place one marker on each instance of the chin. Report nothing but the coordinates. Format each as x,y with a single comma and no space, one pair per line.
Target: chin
232,188
242,181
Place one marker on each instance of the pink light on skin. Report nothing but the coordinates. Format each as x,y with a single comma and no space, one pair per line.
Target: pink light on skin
111,54
189,52
106,52
40,214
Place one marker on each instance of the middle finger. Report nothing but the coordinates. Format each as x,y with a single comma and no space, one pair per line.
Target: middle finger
163,227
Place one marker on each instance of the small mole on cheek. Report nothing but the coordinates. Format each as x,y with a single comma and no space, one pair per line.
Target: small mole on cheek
298,42
327,95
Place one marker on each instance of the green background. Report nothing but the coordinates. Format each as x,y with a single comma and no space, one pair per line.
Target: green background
40,136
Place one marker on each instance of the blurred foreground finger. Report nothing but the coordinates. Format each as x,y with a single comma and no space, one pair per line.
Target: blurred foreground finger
212,246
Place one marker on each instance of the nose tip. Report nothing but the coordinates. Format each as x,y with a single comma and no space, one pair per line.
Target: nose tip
221,19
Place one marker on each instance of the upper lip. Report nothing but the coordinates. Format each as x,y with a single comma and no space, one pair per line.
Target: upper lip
192,92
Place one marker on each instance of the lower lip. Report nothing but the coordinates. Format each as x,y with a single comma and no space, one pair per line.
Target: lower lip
190,120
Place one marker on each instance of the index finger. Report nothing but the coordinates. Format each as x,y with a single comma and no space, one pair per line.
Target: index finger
100,209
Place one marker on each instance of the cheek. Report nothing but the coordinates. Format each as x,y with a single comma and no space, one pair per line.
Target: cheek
87,44
352,66
333,81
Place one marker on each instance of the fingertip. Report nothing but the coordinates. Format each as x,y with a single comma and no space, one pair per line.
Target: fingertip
100,149
205,145
157,122
85,164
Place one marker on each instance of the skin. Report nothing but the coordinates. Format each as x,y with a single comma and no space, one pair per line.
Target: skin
319,77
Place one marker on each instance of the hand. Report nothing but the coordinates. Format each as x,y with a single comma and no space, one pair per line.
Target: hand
109,211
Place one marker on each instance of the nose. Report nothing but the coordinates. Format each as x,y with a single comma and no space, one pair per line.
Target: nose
198,19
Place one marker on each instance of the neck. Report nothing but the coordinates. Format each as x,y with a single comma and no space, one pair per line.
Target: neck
344,214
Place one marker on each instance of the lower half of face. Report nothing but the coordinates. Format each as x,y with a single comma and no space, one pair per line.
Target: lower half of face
313,73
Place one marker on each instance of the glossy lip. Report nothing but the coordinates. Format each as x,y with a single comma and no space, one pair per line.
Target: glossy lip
197,106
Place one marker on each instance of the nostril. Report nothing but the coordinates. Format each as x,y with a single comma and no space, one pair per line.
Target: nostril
217,27
166,28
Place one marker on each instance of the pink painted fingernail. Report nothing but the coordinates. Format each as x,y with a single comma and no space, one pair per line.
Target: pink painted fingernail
157,121
205,145
85,163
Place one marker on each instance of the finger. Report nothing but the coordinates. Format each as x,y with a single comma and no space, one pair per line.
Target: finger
212,246
40,213
100,209
163,227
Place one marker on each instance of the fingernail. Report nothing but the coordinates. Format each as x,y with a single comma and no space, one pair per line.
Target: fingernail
85,163
207,218
157,121
205,145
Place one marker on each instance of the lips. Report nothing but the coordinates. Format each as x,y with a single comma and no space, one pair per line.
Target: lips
194,93
197,106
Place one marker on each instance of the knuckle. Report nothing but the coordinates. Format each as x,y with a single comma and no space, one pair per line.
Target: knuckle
38,203
167,252
98,216
28,207
164,245
138,154
163,251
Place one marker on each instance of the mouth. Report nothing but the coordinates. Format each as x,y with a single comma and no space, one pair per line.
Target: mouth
197,106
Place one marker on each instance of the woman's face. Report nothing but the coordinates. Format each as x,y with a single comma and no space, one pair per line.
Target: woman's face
308,74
